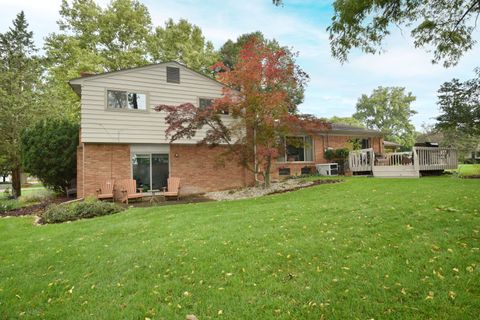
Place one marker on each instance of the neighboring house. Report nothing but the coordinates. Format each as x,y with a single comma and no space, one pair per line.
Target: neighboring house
473,156
123,137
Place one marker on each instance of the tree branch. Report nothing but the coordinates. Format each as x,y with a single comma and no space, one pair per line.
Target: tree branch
466,13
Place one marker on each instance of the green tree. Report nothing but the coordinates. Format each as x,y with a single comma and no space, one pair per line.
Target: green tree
460,105
49,151
96,39
20,75
185,43
4,168
351,121
463,142
388,110
447,26
229,55
93,39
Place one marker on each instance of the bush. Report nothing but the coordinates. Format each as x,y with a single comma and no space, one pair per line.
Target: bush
37,196
49,151
329,154
7,205
89,208
337,154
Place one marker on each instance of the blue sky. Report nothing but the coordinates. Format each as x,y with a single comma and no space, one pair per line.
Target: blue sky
334,88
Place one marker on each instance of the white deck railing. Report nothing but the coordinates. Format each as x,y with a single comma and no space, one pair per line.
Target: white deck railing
436,158
421,158
361,160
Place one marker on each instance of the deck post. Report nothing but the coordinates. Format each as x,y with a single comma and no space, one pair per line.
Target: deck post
416,160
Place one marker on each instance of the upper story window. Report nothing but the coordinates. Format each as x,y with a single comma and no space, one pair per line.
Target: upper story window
173,75
297,149
204,103
119,99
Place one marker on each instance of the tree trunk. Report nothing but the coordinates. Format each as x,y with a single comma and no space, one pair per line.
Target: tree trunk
4,179
16,183
266,175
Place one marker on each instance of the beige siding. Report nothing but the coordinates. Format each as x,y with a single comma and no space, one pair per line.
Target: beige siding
131,126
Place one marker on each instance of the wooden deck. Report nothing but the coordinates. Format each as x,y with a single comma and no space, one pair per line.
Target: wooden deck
403,164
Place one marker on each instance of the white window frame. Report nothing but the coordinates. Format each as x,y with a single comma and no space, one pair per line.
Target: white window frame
147,101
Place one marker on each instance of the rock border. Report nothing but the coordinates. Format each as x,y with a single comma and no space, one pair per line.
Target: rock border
284,186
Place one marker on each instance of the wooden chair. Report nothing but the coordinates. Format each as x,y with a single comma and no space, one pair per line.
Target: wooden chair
128,188
173,188
106,190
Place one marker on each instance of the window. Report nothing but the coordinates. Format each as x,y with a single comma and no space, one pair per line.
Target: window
150,171
118,99
365,143
297,149
173,75
284,171
204,103
306,170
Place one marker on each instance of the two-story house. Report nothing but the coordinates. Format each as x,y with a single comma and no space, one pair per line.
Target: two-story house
122,136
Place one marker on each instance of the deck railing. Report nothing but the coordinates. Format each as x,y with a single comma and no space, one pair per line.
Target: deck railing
421,158
361,160
397,159
436,158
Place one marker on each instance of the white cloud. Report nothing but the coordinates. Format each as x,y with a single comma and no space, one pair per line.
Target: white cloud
334,88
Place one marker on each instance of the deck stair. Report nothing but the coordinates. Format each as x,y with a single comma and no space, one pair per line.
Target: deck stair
395,172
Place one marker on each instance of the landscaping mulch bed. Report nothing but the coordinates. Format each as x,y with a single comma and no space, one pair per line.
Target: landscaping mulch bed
34,209
183,200
276,187
472,176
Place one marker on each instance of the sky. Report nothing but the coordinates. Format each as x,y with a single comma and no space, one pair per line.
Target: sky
334,88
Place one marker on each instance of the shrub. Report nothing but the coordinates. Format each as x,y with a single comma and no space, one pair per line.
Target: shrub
49,151
337,154
7,205
342,153
329,154
79,210
37,196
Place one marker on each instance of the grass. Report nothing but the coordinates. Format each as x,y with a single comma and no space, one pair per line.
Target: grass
366,248
29,196
469,169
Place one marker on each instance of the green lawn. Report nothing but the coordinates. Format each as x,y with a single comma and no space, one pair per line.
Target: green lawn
469,169
366,248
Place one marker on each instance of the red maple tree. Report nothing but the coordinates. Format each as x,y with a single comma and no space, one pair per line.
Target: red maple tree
260,109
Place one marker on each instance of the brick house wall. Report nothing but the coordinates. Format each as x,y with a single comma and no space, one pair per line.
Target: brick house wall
198,167
99,162
200,170
320,143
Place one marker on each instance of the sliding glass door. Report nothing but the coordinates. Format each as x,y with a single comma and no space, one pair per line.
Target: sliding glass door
150,170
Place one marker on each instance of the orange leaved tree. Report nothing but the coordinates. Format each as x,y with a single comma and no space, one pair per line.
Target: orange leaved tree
257,100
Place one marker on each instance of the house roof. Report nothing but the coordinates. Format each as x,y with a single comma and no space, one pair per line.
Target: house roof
76,83
390,144
341,128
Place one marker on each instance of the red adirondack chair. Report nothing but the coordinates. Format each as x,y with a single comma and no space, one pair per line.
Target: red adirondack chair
173,189
106,190
128,187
